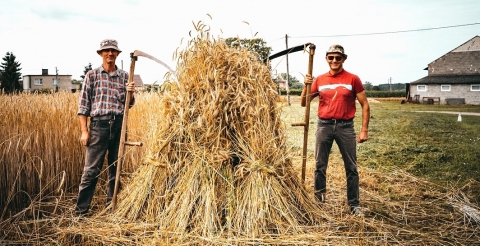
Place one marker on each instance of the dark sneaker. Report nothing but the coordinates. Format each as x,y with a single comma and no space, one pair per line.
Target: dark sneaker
321,197
80,217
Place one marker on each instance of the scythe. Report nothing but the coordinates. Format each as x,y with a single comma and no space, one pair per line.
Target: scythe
123,137
305,124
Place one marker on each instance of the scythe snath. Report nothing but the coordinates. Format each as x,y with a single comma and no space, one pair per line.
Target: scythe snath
305,124
123,137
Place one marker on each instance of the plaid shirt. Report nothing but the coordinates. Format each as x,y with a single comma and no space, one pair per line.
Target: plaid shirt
103,93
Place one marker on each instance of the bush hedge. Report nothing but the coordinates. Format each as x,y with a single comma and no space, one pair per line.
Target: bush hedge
386,93
378,94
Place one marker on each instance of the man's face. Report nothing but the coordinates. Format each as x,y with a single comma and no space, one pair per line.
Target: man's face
335,60
109,55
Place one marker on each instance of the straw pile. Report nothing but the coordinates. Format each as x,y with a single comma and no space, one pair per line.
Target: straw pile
217,160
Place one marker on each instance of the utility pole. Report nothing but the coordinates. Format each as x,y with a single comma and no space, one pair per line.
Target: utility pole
56,79
390,83
288,74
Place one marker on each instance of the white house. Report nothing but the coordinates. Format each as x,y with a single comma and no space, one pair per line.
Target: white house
454,78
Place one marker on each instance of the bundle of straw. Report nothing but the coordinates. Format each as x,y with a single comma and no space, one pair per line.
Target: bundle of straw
217,158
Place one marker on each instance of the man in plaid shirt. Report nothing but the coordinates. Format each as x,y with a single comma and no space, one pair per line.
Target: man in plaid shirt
102,98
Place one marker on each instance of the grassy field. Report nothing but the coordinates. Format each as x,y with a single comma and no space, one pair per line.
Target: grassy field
419,174
430,145
434,146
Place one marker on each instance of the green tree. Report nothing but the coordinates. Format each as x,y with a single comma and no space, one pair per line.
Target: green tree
85,71
368,86
293,82
256,44
10,74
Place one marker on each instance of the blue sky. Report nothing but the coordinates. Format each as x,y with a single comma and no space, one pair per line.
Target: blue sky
66,34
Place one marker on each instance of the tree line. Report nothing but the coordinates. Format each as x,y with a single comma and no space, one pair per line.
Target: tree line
10,69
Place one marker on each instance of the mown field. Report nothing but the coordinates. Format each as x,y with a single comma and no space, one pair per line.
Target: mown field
419,175
434,146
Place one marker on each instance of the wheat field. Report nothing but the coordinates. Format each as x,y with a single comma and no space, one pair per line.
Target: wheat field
41,167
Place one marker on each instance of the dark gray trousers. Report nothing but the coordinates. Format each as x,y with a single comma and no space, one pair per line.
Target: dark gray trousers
104,136
344,135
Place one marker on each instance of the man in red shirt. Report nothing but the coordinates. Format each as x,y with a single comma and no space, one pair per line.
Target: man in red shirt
337,91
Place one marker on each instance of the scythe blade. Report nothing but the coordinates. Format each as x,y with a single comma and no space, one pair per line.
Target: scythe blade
289,50
137,53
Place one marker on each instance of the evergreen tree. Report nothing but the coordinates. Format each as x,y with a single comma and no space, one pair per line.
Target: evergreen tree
10,74
85,71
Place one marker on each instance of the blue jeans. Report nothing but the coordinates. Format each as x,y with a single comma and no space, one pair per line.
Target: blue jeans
344,135
104,136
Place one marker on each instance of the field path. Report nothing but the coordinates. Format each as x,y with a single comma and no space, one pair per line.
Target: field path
450,112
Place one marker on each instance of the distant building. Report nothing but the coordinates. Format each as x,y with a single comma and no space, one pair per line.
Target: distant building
454,78
282,84
139,85
53,82
138,80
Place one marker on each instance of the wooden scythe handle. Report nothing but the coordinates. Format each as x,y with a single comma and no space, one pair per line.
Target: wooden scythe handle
307,112
123,135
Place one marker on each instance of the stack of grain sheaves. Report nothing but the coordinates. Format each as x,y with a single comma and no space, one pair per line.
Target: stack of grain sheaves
217,162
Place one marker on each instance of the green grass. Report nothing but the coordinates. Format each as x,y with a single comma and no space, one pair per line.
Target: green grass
434,146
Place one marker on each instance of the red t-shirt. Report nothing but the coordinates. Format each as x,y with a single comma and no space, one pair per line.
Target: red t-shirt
337,94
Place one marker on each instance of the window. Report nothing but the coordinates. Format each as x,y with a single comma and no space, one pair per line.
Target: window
55,81
475,88
421,88
445,88
38,82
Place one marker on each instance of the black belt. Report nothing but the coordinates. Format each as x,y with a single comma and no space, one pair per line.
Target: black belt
107,117
333,121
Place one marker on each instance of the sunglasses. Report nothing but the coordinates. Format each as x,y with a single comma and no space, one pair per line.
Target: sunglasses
110,50
337,58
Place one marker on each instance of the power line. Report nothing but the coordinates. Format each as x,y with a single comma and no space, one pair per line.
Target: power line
390,32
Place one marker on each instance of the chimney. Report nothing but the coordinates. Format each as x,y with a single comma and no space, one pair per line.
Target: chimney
44,71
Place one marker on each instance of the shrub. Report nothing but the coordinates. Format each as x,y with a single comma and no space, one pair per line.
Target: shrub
298,92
